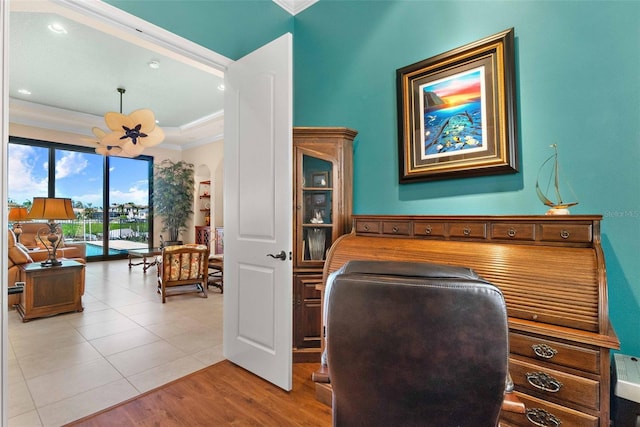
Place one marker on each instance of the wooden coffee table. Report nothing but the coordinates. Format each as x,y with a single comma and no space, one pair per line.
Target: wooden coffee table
144,253
51,290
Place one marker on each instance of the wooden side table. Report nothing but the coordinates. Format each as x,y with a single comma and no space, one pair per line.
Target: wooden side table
51,290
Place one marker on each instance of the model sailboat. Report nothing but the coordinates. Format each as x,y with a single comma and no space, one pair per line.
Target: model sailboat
552,197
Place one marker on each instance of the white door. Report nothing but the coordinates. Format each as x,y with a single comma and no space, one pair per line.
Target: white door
257,212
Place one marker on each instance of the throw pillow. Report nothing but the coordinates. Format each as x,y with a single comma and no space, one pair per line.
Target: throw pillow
18,256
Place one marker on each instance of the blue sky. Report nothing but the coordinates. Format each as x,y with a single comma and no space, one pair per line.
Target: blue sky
78,176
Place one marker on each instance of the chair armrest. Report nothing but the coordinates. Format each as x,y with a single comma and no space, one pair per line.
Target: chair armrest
321,375
511,403
39,255
75,250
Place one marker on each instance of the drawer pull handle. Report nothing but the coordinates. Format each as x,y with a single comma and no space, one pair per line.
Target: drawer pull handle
427,229
395,229
544,351
543,381
564,234
511,232
366,227
542,418
466,231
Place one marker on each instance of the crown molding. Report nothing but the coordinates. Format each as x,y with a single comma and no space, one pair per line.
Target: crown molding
295,6
121,24
207,129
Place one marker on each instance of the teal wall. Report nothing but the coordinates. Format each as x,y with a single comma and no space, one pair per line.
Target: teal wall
578,85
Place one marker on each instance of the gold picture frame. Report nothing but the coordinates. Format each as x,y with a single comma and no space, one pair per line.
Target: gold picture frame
457,112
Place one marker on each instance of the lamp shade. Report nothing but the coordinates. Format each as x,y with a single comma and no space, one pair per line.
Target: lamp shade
17,214
51,208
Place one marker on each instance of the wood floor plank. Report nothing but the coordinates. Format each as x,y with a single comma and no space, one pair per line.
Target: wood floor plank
221,395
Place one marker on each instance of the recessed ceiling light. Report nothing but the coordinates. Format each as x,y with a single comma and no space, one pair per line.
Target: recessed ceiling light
221,87
24,92
57,28
154,64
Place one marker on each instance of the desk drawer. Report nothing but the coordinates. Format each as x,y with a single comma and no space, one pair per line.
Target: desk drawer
576,233
550,383
400,228
547,414
368,227
556,352
429,229
471,230
513,231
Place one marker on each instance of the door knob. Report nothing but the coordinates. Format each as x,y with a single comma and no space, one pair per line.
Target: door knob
281,256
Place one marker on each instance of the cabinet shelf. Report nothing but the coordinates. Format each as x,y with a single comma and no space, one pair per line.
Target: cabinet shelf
317,188
204,205
321,225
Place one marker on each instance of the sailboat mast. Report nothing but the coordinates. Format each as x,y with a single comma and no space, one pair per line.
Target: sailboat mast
556,172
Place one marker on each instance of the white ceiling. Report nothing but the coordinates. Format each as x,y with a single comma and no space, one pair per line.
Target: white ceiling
73,78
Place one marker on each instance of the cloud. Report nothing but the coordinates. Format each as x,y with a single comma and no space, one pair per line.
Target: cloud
138,193
94,198
78,176
26,177
72,163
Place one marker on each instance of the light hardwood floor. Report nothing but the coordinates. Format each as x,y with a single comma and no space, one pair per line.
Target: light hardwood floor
221,395
125,343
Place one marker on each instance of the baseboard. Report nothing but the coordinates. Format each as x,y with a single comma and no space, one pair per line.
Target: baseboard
306,355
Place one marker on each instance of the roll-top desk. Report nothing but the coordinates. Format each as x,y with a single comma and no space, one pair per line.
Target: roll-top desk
551,271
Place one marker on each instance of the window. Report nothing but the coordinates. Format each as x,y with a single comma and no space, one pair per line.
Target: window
110,195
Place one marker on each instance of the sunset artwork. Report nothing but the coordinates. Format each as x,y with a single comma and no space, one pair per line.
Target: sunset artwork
453,115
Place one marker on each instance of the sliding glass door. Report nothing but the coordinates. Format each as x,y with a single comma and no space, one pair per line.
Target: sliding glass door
110,195
128,203
78,176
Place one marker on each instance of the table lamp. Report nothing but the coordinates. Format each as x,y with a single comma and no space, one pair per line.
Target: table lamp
17,214
51,209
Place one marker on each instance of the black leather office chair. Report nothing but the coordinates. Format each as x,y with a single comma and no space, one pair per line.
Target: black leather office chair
414,344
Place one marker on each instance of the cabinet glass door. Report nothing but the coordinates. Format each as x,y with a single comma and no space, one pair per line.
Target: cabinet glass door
317,208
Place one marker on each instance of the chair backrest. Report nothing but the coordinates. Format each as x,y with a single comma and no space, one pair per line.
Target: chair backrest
184,262
415,344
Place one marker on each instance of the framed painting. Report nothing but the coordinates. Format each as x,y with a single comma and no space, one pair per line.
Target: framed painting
319,199
457,112
320,179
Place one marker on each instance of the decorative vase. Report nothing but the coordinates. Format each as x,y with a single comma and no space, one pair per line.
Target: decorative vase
316,238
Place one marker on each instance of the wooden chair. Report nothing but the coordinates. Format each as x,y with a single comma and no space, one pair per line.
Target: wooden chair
183,269
216,272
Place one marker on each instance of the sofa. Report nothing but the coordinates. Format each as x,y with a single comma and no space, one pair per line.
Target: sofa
28,238
17,257
21,254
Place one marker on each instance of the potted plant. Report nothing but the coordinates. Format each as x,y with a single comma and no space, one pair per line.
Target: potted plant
173,192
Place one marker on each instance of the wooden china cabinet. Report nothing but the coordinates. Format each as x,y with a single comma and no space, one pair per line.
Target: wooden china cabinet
322,207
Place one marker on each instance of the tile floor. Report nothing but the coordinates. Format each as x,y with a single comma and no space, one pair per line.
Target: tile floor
126,342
